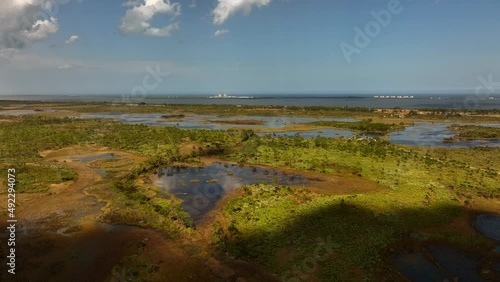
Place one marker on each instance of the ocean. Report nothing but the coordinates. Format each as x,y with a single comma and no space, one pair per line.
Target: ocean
447,102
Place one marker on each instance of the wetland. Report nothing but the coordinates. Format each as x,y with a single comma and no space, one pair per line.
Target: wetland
260,194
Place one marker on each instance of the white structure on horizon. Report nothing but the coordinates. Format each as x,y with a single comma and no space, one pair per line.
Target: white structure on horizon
225,96
393,97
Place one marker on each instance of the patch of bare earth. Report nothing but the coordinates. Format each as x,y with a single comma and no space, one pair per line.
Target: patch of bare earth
59,238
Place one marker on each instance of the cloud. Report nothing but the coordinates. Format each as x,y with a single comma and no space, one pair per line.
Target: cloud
65,66
137,18
161,32
6,54
227,8
132,3
21,60
220,32
72,39
23,22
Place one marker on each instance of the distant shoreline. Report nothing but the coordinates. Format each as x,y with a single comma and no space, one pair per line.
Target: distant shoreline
418,102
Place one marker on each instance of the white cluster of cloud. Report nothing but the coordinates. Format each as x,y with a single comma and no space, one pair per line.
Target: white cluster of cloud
227,8
137,18
23,22
66,66
220,32
72,39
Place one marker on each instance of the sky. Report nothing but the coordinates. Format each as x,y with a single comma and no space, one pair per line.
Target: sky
172,47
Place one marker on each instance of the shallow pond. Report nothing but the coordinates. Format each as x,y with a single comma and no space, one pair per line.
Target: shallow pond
457,262
441,263
417,267
16,112
193,121
488,225
201,188
87,159
24,112
431,134
419,134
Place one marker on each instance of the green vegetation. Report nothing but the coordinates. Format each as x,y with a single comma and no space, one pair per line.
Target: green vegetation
427,188
32,178
21,139
140,205
238,121
132,201
135,267
279,228
361,126
475,132
406,169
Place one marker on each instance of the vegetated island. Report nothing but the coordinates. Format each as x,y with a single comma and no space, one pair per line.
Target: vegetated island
365,126
173,116
238,121
473,132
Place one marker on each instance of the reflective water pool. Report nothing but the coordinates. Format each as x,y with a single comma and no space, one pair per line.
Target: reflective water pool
488,225
438,263
419,134
202,187
417,267
87,159
202,121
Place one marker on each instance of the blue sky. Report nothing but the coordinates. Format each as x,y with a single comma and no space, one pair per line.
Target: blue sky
246,46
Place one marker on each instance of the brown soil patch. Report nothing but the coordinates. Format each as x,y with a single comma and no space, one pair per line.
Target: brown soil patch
58,235
337,184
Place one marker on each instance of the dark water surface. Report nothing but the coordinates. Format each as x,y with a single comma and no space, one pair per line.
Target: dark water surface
202,187
442,263
417,267
87,159
488,225
366,101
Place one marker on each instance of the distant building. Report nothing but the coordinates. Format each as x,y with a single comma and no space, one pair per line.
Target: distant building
225,96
